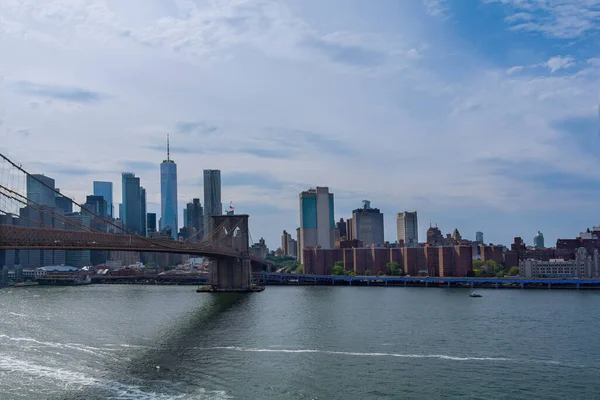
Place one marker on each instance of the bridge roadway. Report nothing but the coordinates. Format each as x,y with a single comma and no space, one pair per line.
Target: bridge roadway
276,278
26,238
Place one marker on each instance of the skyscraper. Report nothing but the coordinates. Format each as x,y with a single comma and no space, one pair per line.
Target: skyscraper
132,203
143,222
105,189
317,224
195,217
168,194
538,241
479,237
150,223
407,228
212,196
368,225
40,194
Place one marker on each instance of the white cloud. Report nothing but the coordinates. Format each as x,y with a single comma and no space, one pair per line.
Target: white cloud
514,69
558,62
436,8
557,18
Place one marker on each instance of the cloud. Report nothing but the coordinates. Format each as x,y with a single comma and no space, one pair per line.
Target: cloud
514,69
558,62
134,166
282,96
564,19
195,128
346,54
436,8
56,92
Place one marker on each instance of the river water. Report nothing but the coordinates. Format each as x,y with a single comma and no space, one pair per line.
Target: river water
169,342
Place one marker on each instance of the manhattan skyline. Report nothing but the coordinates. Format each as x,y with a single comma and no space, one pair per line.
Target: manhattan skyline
480,122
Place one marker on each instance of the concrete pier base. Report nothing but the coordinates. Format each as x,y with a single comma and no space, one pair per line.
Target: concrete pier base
231,275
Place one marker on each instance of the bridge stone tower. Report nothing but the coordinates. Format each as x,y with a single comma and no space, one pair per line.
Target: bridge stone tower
231,274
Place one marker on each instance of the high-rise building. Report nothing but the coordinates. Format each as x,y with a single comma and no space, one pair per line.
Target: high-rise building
132,203
143,222
407,228
98,205
538,241
212,196
479,237
105,189
150,223
341,226
62,202
317,223
368,225
285,238
168,194
80,258
40,190
195,218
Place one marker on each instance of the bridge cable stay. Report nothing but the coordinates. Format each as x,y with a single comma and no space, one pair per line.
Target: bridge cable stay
45,210
108,222
8,176
18,167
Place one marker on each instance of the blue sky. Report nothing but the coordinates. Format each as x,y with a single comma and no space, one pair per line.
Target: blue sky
479,114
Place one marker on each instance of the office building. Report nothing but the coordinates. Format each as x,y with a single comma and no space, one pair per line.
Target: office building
40,190
105,189
144,228
407,228
317,223
212,196
132,203
62,202
538,241
479,237
168,194
368,225
150,224
80,258
97,205
194,215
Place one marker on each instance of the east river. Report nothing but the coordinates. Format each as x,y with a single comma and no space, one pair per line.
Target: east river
169,342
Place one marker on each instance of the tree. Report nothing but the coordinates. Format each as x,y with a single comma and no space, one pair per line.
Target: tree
513,271
470,273
477,264
500,274
368,272
299,269
337,270
394,269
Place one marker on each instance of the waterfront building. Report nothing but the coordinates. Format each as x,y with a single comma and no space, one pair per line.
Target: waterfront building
168,194
317,223
367,225
259,249
132,203
407,228
479,237
105,189
582,266
538,241
212,196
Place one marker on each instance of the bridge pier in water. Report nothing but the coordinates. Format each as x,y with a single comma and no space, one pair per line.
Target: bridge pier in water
231,273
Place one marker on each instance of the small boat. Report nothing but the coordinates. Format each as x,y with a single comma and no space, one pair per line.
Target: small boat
474,295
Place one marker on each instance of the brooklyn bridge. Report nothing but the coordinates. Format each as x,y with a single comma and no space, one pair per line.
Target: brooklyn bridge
226,244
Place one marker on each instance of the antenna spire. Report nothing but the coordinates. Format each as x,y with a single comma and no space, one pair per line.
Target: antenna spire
168,149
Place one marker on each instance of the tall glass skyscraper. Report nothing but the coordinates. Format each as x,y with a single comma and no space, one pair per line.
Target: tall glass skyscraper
105,189
168,194
132,203
317,223
212,197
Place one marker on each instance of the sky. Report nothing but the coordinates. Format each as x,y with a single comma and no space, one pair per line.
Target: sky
478,114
